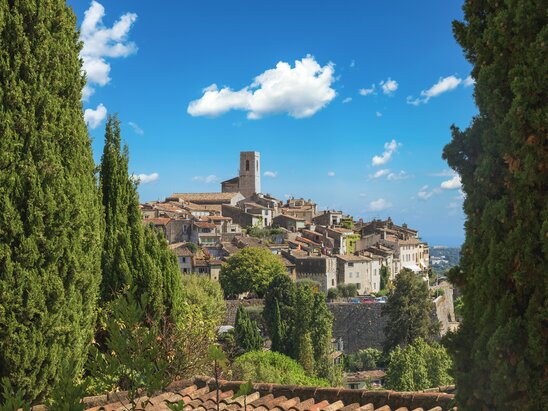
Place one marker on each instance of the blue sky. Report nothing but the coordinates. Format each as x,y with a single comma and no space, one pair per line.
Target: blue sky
357,124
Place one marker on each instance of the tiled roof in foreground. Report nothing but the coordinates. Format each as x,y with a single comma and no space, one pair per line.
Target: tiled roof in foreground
200,394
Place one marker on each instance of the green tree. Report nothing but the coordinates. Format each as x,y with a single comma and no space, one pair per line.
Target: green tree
321,331
250,270
409,310
332,293
49,211
247,331
418,366
366,359
134,257
272,367
385,277
306,354
279,298
502,162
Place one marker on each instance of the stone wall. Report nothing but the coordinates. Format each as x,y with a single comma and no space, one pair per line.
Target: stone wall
359,325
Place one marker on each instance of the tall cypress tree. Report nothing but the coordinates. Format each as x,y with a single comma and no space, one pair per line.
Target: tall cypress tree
49,210
500,351
135,257
247,331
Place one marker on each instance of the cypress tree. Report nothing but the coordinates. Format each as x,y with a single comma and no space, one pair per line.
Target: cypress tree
247,332
321,332
277,332
306,353
49,209
135,257
500,351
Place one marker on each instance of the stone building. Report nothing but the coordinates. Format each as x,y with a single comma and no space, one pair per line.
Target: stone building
249,180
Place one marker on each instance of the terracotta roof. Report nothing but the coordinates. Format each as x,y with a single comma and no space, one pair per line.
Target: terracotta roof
411,241
158,221
205,196
352,258
204,224
200,394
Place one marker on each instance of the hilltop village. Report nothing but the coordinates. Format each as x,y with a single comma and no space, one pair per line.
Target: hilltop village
328,247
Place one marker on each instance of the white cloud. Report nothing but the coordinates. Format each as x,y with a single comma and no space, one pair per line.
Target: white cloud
378,113
452,205
148,178
353,64
443,173
380,173
94,117
367,91
270,174
347,100
301,91
206,179
331,173
402,175
101,42
452,184
389,149
389,86
469,81
442,86
379,205
424,194
138,130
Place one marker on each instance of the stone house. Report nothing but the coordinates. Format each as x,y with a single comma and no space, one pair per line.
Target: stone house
243,218
328,218
204,233
320,268
184,257
355,269
300,208
288,222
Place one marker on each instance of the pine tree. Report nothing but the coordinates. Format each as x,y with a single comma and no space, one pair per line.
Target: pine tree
49,210
500,351
247,331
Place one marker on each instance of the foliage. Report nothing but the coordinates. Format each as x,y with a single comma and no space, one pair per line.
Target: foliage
11,400
293,310
438,292
263,232
272,367
409,309
366,359
219,361
458,305
333,293
502,162
49,210
134,256
306,354
186,343
418,366
67,395
250,270
385,277
278,310
133,360
243,391
247,332
347,290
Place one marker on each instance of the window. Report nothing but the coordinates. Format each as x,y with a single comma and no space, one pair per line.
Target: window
350,275
333,282
351,264
358,285
246,165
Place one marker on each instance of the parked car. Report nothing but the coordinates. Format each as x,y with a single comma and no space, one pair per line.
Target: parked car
380,299
368,299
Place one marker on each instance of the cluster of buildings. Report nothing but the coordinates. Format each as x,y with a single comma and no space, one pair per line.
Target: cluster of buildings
204,229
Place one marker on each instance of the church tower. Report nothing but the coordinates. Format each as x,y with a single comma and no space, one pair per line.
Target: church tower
250,173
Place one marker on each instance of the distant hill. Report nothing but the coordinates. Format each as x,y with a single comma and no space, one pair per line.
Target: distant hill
442,258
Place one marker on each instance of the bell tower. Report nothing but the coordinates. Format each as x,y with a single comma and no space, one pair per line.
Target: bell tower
250,173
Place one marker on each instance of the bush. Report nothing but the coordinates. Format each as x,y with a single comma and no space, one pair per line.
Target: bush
347,290
272,367
332,294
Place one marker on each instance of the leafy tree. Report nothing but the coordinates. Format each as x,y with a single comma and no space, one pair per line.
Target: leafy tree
250,270
502,162
347,290
332,293
418,366
133,360
49,210
409,310
187,341
272,367
247,331
366,359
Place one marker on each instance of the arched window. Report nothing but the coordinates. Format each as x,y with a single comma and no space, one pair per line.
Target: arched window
246,165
